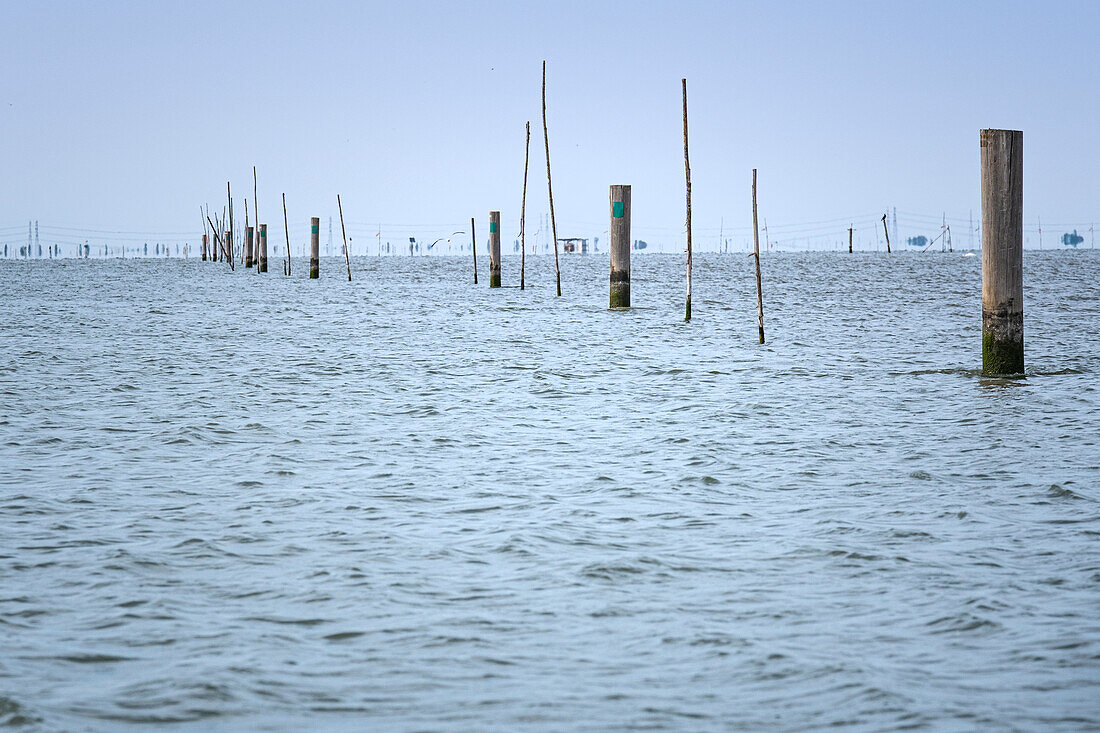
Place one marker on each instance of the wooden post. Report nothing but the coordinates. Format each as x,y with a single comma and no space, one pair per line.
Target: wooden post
204,248
255,201
619,233
756,253
1002,251
885,229
523,212
347,257
687,175
262,266
549,184
314,248
229,236
248,234
286,230
494,249
473,246
849,240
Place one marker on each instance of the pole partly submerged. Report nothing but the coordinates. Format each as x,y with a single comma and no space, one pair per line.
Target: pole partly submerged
756,255
347,257
286,230
262,266
314,248
1002,163
687,175
619,234
549,184
473,246
887,230
494,249
523,212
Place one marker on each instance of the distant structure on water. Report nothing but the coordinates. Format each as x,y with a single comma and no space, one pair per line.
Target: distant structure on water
918,241
1072,240
575,244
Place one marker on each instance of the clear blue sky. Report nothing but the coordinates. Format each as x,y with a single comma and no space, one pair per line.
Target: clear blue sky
127,116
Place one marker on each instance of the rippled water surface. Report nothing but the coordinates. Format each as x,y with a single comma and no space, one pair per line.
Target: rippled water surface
241,502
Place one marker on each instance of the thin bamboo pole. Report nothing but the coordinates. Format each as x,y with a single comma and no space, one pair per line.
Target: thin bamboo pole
229,195
549,184
687,175
885,229
523,211
756,254
286,230
347,258
473,246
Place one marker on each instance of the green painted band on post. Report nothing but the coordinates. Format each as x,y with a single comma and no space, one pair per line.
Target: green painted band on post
314,229
492,227
617,209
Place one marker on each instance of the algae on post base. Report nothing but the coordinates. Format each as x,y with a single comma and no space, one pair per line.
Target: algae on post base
1002,343
494,279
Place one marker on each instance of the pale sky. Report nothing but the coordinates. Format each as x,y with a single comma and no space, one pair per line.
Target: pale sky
126,117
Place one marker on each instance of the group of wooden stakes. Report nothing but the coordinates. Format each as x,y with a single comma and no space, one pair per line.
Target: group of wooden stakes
1002,241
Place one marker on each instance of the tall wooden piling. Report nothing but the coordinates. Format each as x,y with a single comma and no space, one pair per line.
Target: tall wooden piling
619,233
204,248
549,184
523,213
286,230
756,253
1002,154
314,248
473,246
347,255
494,249
687,175
262,266
887,230
248,234
849,240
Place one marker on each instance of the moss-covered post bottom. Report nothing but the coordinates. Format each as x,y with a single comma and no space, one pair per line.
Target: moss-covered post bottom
262,262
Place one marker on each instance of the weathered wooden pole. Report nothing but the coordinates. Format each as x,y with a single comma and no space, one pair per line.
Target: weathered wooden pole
523,212
887,230
347,256
849,240
262,267
619,233
473,246
286,230
687,175
1002,251
494,249
756,253
549,184
314,248
204,248
229,237
248,234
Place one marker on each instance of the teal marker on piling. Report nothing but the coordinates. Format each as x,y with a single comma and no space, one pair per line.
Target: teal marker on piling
619,232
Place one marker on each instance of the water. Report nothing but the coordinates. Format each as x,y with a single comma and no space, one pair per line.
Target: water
242,502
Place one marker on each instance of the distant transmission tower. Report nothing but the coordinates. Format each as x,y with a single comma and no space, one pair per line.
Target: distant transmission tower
37,246
971,236
30,241
330,236
896,239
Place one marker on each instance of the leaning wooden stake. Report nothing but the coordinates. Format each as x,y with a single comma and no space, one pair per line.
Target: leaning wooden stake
756,254
473,246
549,184
347,257
1002,154
885,229
619,234
286,229
523,211
314,248
687,175
494,249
